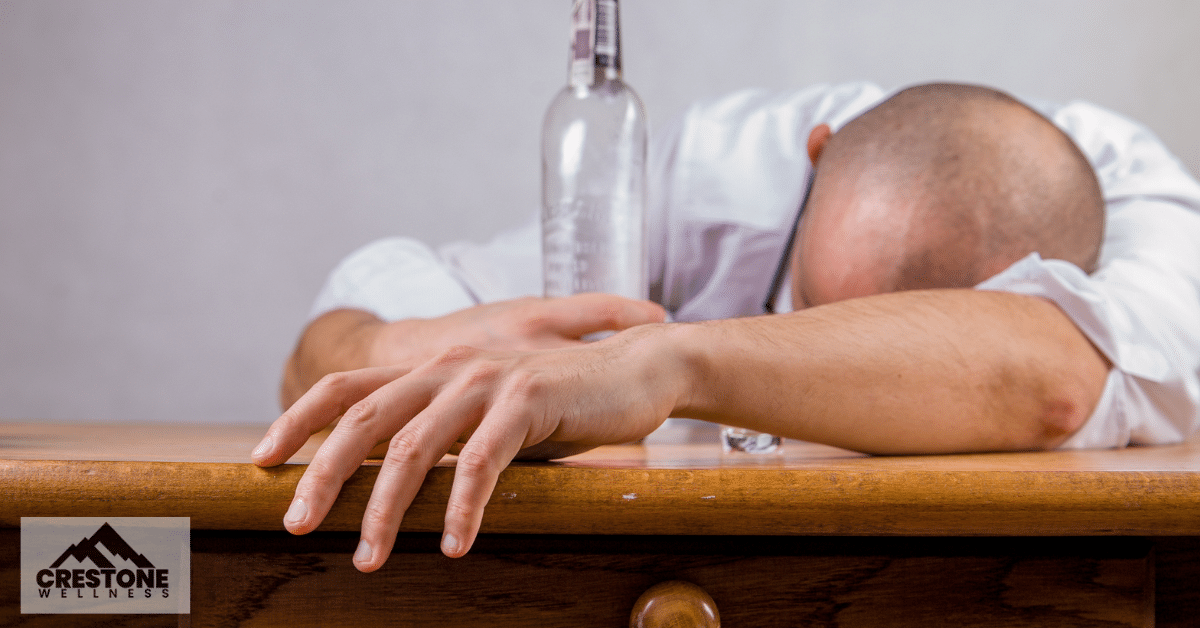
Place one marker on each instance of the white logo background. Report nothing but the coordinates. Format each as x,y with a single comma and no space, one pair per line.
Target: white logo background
164,541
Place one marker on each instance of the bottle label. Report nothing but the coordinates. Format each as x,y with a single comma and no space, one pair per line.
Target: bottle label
593,38
582,42
606,27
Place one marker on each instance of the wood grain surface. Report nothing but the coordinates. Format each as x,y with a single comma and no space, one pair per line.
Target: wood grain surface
660,489
818,537
268,579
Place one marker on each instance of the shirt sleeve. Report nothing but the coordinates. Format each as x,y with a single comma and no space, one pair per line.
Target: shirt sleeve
1141,308
398,278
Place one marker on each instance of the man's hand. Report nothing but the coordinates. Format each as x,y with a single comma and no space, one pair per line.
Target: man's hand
345,340
495,406
525,324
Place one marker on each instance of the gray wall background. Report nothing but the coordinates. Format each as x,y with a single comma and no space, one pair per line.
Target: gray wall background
176,178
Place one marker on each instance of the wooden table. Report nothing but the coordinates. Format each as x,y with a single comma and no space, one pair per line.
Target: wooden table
819,537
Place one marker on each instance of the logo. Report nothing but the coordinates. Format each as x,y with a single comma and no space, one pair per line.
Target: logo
90,565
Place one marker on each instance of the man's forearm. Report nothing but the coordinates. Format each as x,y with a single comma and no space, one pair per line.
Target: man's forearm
912,372
336,341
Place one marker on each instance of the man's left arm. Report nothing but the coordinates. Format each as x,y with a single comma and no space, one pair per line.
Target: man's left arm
934,371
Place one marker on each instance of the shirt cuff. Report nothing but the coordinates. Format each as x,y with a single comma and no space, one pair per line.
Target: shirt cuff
394,279
1067,286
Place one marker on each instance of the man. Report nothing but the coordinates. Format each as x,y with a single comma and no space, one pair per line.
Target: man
930,192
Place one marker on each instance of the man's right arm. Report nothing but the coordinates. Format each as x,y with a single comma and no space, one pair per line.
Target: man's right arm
394,283
349,339
336,341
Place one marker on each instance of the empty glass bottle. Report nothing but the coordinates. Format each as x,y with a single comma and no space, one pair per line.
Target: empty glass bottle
594,168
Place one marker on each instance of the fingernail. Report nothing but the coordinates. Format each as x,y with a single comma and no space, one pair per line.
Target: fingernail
449,543
296,513
262,449
363,553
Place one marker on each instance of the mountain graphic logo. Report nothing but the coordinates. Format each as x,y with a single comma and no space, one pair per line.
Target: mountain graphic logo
88,549
100,572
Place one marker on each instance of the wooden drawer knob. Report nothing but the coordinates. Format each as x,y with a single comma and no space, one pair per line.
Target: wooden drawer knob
675,604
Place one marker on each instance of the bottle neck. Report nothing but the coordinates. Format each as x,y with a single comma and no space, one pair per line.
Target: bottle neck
595,42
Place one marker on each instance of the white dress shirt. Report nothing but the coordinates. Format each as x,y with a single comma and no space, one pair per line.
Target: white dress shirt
726,179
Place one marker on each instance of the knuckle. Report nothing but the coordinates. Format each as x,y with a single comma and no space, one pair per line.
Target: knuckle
480,375
473,463
289,421
524,386
456,354
609,313
458,511
533,321
318,480
376,516
405,449
361,413
316,475
332,382
536,315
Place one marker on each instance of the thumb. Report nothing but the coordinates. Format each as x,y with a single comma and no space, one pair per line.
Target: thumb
582,314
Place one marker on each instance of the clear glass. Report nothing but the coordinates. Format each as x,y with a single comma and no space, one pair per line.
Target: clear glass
735,441
594,190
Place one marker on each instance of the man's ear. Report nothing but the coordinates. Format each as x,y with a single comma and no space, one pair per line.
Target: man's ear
817,140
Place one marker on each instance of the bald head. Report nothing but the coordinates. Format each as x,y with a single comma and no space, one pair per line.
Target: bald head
943,186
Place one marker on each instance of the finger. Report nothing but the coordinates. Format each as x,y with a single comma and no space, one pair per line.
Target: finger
317,408
370,421
411,453
483,457
587,313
